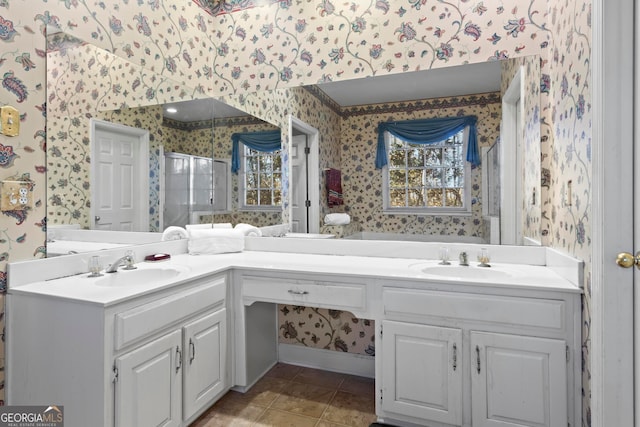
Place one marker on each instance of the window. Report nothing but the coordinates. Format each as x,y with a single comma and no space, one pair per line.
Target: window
427,178
260,180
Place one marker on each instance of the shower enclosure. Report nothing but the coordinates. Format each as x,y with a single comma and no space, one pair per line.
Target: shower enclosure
193,187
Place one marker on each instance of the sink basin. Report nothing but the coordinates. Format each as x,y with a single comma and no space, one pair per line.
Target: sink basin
140,276
459,272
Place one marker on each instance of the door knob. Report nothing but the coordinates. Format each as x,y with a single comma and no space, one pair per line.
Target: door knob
627,260
97,218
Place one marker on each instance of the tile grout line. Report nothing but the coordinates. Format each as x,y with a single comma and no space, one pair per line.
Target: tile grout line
269,406
333,396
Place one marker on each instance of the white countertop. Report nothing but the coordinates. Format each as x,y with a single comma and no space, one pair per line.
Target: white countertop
83,289
65,247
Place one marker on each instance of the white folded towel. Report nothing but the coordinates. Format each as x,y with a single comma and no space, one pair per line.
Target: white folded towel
222,225
248,230
337,219
174,233
215,241
208,225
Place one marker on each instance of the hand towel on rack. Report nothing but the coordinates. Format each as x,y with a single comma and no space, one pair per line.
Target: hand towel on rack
337,219
174,233
248,229
333,178
215,241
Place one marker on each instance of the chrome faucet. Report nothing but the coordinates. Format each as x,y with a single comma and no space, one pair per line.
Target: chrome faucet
126,260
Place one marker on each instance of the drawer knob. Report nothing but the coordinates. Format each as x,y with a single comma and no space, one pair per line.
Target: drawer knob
293,292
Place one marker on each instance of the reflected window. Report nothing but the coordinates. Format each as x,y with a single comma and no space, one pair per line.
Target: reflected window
260,180
427,178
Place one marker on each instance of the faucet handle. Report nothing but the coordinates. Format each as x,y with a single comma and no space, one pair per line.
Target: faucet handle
483,258
464,258
129,260
444,256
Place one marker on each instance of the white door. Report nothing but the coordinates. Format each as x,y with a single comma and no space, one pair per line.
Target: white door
517,381
300,185
422,371
205,364
149,385
305,180
615,221
119,178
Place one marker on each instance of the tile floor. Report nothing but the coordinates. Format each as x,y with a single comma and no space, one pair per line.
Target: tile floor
292,396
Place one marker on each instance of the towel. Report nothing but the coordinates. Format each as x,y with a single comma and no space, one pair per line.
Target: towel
334,187
248,230
215,241
337,219
222,225
208,225
174,233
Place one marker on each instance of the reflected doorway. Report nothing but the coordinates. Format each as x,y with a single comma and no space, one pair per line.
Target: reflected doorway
305,191
512,128
119,177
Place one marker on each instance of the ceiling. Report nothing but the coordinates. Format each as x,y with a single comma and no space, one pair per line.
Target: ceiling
435,83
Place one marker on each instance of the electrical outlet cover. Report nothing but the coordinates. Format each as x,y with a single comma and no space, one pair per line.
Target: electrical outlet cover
15,196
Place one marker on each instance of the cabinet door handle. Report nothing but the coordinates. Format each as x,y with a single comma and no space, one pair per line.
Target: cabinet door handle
455,356
192,349
478,359
178,359
292,292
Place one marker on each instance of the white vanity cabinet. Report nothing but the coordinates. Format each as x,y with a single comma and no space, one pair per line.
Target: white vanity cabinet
173,377
422,371
518,380
478,357
155,360
148,386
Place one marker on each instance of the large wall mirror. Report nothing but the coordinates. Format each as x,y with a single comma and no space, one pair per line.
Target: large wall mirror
504,188
131,151
338,121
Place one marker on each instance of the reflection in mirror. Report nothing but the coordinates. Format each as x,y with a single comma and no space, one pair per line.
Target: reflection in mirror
184,135
91,92
93,95
473,89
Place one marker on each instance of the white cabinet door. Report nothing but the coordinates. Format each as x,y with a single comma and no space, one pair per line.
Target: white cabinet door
149,386
517,381
422,371
205,343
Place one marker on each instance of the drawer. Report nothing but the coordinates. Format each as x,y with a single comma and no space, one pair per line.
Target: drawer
403,304
315,293
139,322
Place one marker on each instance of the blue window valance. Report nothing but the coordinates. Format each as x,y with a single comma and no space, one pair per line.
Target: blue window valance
428,131
267,141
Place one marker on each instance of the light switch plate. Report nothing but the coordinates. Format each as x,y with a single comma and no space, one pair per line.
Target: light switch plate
9,121
15,196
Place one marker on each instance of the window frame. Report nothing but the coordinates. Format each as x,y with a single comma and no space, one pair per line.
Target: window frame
464,210
242,188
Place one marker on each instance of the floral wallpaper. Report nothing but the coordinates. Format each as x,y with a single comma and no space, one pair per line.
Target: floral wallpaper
286,44
566,152
326,329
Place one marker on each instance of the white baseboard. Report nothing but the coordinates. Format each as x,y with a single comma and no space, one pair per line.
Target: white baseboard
328,360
